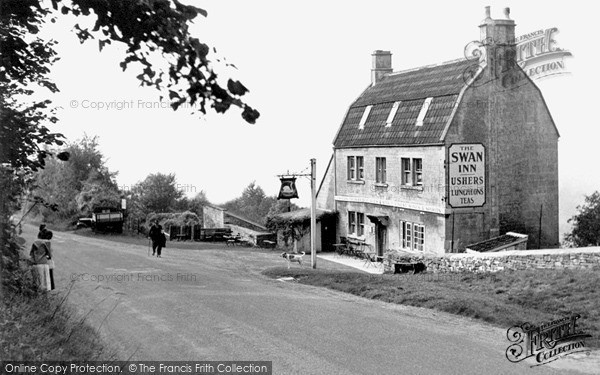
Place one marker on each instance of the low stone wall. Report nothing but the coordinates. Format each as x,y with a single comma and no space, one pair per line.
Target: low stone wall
580,258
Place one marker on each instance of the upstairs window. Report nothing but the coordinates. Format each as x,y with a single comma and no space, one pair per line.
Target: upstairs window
406,172
392,114
380,171
360,168
365,116
356,169
412,171
418,172
423,112
351,168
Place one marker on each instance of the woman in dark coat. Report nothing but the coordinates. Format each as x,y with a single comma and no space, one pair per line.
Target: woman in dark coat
154,235
161,242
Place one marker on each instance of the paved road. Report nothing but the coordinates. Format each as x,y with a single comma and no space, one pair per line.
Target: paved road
215,305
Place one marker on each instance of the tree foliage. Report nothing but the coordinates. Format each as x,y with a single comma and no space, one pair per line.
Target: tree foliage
194,204
151,29
253,205
179,219
78,185
25,63
281,206
586,224
161,28
97,193
158,192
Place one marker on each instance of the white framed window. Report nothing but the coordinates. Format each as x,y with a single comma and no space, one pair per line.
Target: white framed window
412,236
380,170
423,112
418,237
365,116
392,114
408,236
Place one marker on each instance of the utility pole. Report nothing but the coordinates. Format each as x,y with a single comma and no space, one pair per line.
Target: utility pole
313,205
313,212
540,228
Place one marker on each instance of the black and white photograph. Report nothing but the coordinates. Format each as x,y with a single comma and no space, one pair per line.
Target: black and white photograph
318,187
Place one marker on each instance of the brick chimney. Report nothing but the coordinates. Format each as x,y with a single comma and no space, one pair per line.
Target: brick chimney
382,65
498,37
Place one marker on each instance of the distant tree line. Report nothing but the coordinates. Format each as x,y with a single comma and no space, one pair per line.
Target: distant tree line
84,183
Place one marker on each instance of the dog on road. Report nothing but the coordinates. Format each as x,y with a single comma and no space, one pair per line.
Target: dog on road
290,257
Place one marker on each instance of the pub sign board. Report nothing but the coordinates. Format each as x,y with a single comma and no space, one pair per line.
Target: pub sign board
288,188
466,175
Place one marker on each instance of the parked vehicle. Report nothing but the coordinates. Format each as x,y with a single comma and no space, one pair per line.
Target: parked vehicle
107,220
84,222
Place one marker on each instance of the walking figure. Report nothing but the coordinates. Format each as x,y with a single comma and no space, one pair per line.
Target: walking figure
41,257
162,242
156,235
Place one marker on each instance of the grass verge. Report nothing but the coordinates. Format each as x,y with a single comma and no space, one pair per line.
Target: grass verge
43,327
501,299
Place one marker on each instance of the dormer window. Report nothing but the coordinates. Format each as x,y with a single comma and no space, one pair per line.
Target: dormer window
423,112
365,116
392,114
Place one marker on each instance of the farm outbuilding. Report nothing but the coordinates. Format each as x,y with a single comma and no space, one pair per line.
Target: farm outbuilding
293,230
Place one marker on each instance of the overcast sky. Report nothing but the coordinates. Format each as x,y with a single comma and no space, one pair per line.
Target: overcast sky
304,63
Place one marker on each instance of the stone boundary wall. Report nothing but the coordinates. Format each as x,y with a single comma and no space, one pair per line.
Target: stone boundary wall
578,258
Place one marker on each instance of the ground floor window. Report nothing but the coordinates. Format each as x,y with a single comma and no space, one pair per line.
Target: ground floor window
360,220
356,223
412,236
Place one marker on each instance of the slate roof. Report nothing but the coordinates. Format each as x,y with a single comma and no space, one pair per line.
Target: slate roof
441,82
497,243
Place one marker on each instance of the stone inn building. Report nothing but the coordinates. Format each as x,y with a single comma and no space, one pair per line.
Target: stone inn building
440,157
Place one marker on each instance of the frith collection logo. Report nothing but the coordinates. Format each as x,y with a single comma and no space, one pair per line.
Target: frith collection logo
538,55
534,55
547,342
